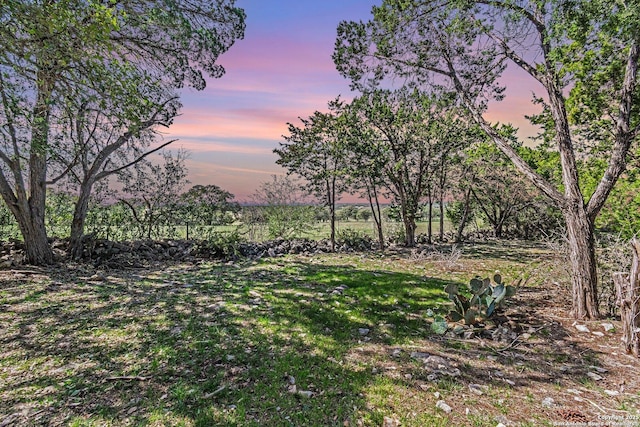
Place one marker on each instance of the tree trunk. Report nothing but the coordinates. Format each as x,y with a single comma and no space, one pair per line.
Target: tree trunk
429,217
409,230
31,220
465,216
628,301
376,212
331,201
441,221
582,260
36,243
79,217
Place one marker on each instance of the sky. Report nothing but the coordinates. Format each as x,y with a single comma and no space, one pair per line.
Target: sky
280,71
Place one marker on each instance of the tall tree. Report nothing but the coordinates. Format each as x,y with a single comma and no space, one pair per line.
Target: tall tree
52,50
96,142
316,152
584,59
403,144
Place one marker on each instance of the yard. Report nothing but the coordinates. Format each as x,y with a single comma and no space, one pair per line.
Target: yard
332,339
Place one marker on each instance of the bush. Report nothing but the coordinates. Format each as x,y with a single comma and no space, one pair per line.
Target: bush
354,239
222,244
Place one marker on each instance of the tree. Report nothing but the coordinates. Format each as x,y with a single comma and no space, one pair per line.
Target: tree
586,61
207,205
499,191
153,192
403,145
97,141
316,152
50,51
365,168
286,211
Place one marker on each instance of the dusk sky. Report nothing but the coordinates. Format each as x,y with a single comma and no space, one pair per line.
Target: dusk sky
280,71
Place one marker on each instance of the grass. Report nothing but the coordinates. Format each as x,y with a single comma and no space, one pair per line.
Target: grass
207,345
225,344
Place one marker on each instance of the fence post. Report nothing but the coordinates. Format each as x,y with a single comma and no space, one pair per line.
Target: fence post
628,301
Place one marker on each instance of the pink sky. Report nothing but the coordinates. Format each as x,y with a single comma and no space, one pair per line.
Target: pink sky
282,70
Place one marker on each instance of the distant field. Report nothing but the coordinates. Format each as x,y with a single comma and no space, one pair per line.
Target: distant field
258,232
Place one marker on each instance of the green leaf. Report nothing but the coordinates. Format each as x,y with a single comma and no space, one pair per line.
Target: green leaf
439,325
491,309
451,289
470,317
454,316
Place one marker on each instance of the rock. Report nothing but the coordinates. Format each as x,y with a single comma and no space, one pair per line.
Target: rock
305,393
597,333
477,389
594,376
390,422
418,355
547,402
608,327
612,392
581,328
440,404
363,331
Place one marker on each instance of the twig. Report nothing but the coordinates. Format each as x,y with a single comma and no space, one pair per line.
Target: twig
127,378
604,410
213,393
500,350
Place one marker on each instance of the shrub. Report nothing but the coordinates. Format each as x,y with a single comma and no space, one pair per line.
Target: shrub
354,239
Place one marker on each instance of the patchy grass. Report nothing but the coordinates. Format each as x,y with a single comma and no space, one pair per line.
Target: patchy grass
303,341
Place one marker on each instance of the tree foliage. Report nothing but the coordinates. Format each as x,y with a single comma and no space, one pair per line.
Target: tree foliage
115,55
584,60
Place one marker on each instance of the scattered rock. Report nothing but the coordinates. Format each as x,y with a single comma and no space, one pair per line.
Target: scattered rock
477,389
440,404
417,355
547,402
363,331
594,376
581,328
305,393
612,392
608,327
390,422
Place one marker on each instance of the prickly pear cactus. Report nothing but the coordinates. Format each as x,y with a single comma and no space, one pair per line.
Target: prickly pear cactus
485,298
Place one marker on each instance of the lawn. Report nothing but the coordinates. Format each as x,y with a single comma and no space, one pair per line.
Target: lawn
337,339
